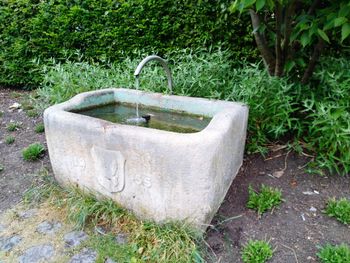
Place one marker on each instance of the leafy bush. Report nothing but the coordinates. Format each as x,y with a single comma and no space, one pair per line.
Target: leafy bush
264,200
340,209
107,30
33,152
256,251
327,126
334,254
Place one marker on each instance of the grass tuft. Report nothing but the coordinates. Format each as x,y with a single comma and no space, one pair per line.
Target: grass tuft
339,209
32,113
39,128
9,139
256,251
334,254
13,126
264,200
33,152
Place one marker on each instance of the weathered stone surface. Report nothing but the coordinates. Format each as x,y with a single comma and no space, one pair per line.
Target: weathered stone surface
85,256
7,243
48,227
28,213
121,239
75,238
2,228
170,176
37,254
108,260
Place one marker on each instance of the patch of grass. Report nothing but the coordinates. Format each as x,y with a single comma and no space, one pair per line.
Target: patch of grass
15,95
264,200
39,128
9,139
256,251
147,241
33,152
13,126
334,254
339,209
1,114
32,113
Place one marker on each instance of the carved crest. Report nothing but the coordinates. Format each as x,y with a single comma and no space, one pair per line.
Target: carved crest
110,166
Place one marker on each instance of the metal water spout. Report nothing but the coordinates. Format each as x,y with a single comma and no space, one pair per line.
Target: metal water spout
165,66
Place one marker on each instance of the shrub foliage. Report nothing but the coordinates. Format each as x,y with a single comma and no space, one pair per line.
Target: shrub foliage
107,30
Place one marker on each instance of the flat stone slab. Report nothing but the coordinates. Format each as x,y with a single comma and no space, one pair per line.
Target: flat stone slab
74,238
2,227
28,213
47,227
85,256
37,254
110,261
6,244
121,239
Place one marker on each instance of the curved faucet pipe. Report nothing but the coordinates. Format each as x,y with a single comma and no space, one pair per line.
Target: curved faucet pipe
164,64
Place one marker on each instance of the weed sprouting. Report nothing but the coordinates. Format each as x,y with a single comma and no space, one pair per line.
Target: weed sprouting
32,113
339,209
264,200
13,126
9,139
33,152
334,254
256,251
39,128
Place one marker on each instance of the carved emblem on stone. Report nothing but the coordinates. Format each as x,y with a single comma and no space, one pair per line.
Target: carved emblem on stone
110,166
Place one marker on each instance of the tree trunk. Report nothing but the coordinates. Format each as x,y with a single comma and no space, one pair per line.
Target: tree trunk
313,61
279,60
265,52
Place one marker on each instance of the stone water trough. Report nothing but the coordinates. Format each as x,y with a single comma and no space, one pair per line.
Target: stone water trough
159,175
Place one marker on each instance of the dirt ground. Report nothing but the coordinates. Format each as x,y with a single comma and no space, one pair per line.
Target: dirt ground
17,175
293,229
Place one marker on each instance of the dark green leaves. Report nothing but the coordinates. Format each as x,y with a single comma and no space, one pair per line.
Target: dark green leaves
323,35
345,31
259,4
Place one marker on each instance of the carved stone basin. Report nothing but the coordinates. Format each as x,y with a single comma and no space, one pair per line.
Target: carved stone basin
159,175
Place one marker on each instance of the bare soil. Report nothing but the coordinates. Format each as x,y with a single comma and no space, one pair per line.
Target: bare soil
293,229
17,175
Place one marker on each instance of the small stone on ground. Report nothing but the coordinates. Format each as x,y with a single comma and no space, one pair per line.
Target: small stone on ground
6,244
74,238
108,260
27,214
48,227
121,239
85,256
37,254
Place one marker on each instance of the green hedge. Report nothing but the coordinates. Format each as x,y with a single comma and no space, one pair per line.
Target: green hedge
32,31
